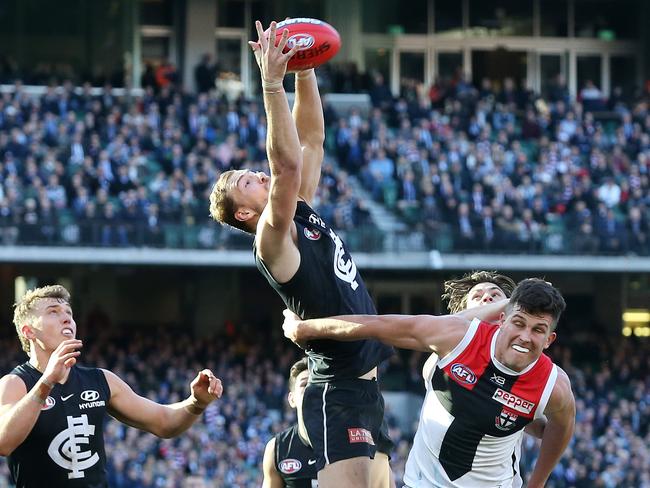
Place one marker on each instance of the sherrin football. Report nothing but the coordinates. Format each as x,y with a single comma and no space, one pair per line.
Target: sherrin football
317,40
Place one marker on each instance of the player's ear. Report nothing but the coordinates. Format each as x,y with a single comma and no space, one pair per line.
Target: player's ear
244,214
551,338
292,400
27,331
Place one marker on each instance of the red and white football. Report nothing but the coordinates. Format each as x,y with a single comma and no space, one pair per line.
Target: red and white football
317,40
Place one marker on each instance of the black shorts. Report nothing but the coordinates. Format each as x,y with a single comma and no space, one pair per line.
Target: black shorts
345,419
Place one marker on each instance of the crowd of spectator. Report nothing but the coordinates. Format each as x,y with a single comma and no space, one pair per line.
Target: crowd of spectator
611,383
122,171
502,169
487,168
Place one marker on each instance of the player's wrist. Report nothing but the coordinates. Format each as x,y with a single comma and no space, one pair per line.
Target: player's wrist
305,74
193,406
272,86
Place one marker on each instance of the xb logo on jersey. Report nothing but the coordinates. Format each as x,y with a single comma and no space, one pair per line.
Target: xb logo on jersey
66,448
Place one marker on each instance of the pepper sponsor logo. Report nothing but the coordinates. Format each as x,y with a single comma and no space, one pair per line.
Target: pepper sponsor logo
512,401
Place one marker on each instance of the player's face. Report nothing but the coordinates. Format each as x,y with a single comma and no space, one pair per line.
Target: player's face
523,337
53,323
295,395
252,190
483,294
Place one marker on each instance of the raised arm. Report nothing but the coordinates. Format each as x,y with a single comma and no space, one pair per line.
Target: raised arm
561,415
439,334
19,408
162,420
282,145
310,123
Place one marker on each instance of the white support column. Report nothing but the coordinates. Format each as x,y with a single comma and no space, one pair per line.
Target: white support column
532,71
246,57
394,71
605,75
200,23
467,63
573,73
136,46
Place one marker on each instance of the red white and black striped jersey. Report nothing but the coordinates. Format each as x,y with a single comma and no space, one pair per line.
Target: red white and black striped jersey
473,415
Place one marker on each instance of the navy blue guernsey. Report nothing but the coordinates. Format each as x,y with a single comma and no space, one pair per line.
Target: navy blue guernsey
294,460
66,446
327,283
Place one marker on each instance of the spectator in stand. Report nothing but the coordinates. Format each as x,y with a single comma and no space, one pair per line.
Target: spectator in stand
205,74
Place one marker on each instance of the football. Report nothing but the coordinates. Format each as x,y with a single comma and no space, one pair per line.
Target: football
317,40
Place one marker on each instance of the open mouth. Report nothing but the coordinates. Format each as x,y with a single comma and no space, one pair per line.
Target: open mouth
68,332
521,349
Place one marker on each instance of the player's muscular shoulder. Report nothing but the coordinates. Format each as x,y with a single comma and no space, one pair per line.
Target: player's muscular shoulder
562,396
279,252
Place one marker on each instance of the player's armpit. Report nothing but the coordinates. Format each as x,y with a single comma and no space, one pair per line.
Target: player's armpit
272,478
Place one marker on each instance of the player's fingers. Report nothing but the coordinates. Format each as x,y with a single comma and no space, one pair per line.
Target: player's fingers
70,362
272,34
283,40
260,33
65,357
217,388
291,52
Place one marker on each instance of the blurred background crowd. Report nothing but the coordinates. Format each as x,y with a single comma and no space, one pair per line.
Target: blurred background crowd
225,449
469,168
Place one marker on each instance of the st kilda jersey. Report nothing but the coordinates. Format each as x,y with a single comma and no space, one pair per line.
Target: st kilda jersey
295,460
473,416
66,446
327,283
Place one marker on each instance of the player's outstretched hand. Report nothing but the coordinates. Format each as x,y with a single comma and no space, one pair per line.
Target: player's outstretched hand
206,388
269,56
62,359
291,327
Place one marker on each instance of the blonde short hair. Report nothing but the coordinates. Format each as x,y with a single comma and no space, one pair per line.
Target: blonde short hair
24,308
222,203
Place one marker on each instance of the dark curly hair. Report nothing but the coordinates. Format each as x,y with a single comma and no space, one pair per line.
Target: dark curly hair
456,290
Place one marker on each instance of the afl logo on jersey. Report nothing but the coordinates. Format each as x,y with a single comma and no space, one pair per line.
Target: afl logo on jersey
289,466
49,403
463,374
312,235
89,395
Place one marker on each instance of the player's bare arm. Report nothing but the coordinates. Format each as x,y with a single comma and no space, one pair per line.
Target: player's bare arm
428,333
162,420
561,415
274,242
19,408
310,124
272,478
536,428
